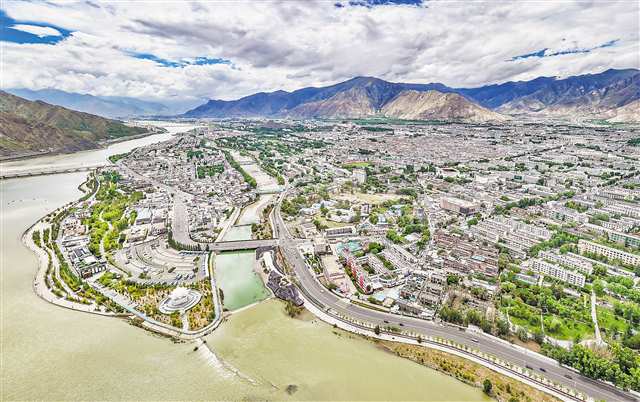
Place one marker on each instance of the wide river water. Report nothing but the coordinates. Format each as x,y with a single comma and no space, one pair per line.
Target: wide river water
50,353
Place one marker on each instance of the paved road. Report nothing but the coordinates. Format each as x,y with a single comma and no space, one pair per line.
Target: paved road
179,213
504,351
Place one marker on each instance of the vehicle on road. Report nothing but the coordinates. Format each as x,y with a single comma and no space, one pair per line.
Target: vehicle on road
544,370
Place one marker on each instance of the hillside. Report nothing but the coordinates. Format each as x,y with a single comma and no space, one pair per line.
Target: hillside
28,127
584,96
434,105
629,113
587,96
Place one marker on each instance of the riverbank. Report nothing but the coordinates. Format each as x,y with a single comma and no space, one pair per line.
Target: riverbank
503,388
451,349
46,260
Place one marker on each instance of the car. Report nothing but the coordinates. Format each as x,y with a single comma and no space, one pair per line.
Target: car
386,322
529,367
568,376
544,370
474,340
401,324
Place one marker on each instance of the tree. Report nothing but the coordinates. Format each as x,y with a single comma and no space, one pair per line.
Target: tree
376,330
373,218
487,386
523,335
503,327
538,336
598,288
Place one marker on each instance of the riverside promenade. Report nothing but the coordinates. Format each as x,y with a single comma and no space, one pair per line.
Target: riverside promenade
39,283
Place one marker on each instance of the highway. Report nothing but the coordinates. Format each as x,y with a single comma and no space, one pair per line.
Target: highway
543,366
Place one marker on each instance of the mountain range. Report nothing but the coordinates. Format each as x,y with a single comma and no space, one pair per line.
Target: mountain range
607,95
28,127
106,106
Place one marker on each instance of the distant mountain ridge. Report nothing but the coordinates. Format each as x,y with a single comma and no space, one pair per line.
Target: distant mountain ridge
357,97
105,106
28,127
584,96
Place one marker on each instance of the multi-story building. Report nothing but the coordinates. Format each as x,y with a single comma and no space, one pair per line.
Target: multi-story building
360,176
359,274
340,232
558,272
625,239
585,246
570,260
459,206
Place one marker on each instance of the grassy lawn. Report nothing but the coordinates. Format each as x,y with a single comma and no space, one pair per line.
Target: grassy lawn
332,224
610,323
555,326
356,165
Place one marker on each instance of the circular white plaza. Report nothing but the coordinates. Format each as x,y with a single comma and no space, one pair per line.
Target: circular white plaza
180,299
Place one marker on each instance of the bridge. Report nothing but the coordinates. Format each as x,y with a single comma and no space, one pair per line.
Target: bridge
270,190
43,172
237,245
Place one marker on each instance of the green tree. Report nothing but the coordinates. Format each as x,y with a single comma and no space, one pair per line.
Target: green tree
487,387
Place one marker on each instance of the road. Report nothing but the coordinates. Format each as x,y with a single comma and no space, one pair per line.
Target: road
179,213
504,351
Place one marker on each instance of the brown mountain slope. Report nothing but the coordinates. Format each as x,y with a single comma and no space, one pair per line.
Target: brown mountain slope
579,98
28,127
629,113
415,105
352,103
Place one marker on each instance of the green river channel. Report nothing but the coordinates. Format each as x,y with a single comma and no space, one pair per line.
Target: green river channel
51,353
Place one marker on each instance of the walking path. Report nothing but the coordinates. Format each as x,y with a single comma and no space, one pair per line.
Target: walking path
594,317
39,283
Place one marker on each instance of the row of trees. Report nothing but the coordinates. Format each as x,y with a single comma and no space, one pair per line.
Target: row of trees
234,164
617,364
176,245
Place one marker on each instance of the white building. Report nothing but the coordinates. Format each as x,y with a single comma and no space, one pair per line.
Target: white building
556,271
609,252
360,176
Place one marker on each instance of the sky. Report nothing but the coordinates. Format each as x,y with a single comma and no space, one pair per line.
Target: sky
175,50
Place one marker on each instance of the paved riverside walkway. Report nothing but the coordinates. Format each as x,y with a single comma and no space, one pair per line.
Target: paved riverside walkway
39,282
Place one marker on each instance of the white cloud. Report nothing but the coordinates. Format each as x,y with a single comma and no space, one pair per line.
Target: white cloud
287,46
37,30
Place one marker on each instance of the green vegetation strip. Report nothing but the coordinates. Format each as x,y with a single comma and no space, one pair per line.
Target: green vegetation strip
247,177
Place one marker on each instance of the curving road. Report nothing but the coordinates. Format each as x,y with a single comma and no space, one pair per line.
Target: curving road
327,300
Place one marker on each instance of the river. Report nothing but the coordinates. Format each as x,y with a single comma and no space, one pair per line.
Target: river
50,353
236,271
